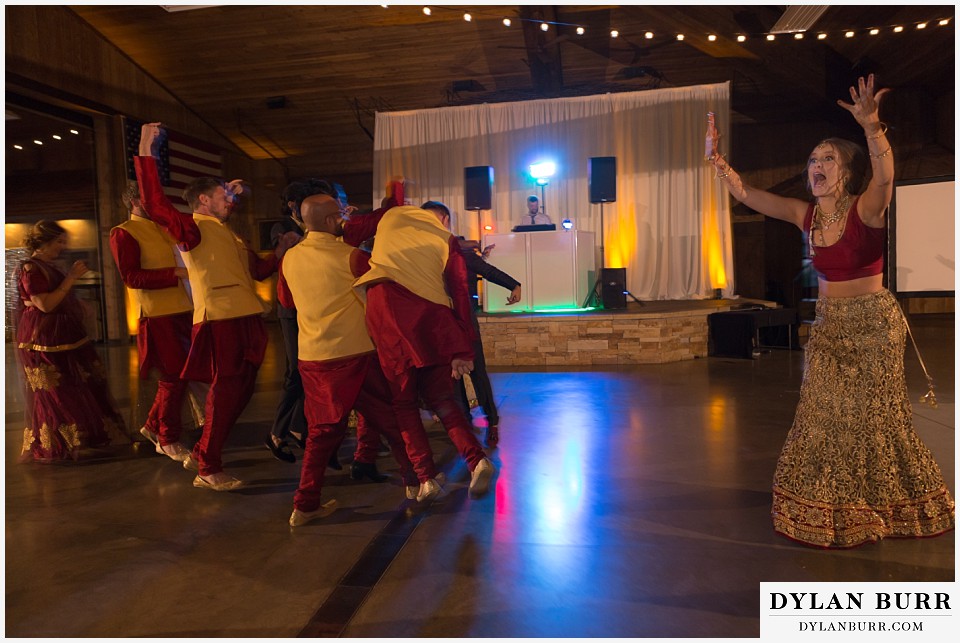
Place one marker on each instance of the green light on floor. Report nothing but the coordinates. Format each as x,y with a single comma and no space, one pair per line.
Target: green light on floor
554,310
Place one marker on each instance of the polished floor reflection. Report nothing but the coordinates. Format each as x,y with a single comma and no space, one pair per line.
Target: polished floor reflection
631,502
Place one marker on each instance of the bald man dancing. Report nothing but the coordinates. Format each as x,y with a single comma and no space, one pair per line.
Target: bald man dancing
337,359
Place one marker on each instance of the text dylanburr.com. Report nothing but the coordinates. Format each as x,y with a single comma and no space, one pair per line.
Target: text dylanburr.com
851,611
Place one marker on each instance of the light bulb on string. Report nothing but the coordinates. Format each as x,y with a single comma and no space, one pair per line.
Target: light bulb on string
771,37
679,36
711,38
922,25
506,22
467,17
648,35
544,26
426,11
821,36
741,38
849,34
874,31
614,33
580,31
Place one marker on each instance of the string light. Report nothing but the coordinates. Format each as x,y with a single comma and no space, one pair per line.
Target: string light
57,137
73,131
38,142
649,35
18,147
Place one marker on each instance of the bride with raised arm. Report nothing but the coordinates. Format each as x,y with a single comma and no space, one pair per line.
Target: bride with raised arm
852,469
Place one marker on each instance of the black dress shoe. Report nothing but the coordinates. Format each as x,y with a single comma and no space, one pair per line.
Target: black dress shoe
280,451
361,470
299,440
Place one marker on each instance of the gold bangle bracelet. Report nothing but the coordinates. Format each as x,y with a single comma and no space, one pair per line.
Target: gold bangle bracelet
883,131
882,154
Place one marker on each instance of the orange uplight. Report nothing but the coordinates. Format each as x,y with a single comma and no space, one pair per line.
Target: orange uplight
620,240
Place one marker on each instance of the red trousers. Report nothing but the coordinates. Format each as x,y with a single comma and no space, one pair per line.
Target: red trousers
227,354
162,342
435,386
331,388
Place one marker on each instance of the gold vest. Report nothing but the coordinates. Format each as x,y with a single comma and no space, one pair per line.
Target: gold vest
156,251
219,270
411,249
329,313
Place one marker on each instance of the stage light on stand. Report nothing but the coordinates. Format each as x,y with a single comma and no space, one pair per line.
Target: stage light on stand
542,171
567,224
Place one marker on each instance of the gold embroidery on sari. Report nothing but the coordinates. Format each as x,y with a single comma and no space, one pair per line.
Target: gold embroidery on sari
45,377
852,468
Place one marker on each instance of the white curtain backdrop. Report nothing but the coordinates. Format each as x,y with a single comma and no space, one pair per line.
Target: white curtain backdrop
670,225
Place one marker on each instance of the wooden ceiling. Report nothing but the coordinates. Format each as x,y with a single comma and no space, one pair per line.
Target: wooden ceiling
302,83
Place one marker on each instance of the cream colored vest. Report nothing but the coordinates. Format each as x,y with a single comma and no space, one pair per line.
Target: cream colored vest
219,270
156,251
412,249
329,313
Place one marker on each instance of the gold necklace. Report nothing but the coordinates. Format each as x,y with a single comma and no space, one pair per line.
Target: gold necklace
823,220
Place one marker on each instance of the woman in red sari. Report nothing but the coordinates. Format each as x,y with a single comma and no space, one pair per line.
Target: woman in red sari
68,404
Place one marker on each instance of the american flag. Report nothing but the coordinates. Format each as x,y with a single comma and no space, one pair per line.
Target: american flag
182,159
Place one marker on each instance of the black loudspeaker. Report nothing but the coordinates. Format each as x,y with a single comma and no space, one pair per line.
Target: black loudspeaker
478,187
613,286
602,176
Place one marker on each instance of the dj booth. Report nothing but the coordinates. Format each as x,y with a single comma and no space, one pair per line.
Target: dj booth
556,269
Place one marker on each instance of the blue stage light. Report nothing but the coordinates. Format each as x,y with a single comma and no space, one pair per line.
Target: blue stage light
543,169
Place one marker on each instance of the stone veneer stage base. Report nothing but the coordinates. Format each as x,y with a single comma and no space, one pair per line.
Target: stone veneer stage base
656,332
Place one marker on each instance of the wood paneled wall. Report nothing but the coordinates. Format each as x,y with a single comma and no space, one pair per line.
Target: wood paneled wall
72,66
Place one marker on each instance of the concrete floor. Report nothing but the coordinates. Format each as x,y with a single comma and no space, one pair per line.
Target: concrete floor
631,502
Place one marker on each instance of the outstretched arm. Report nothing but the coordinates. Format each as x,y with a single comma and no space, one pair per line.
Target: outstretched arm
767,203
180,226
866,109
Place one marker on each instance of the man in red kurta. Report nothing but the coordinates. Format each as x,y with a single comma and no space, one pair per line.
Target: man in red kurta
337,361
418,316
145,256
228,339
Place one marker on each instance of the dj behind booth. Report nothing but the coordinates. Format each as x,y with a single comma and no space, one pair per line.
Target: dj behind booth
556,268
534,220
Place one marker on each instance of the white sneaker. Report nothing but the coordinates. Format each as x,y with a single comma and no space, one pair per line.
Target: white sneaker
480,478
429,490
414,490
150,435
218,482
190,464
174,451
298,518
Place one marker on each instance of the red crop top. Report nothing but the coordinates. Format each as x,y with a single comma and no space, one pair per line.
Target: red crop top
858,253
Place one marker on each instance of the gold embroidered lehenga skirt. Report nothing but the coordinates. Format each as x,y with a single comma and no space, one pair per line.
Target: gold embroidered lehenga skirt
853,469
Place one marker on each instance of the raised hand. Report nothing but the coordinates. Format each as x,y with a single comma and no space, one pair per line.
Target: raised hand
866,102
712,142
149,138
